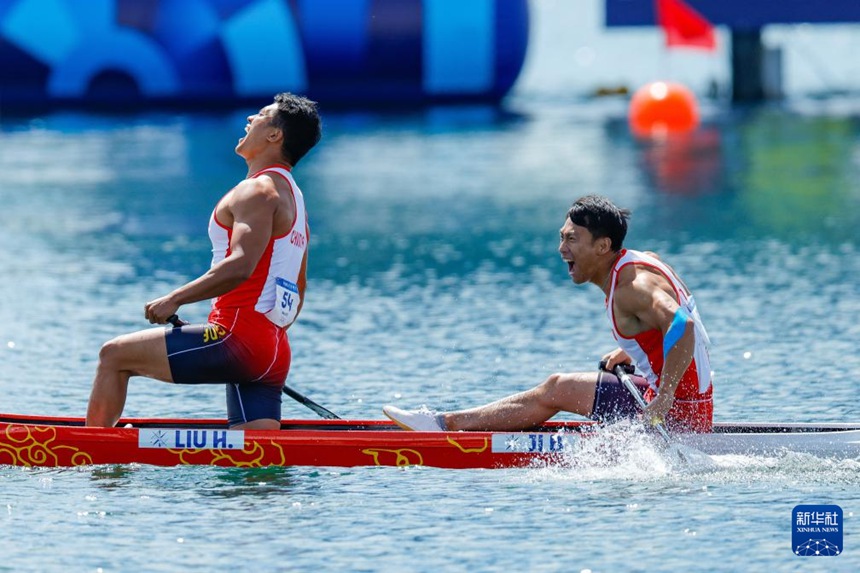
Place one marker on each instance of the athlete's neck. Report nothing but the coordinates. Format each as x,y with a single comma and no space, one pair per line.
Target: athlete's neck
265,161
604,282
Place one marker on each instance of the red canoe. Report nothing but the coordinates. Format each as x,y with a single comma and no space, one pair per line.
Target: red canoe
57,441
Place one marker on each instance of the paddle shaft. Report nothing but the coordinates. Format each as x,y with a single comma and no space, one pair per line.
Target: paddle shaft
307,402
297,396
634,391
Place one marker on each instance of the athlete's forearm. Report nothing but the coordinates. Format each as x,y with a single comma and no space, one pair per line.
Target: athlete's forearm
218,280
676,362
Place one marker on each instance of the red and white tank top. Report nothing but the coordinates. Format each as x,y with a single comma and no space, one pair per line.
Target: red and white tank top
272,289
646,348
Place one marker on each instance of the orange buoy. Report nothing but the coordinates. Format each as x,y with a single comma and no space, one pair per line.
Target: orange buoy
661,108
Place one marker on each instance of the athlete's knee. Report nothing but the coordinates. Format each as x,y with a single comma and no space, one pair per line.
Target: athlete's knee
557,389
110,352
548,390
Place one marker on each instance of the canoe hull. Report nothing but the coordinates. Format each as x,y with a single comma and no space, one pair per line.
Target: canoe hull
177,442
65,442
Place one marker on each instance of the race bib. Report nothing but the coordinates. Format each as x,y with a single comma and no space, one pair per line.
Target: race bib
287,300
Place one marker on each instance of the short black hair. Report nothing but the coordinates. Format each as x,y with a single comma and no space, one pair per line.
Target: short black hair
299,120
601,217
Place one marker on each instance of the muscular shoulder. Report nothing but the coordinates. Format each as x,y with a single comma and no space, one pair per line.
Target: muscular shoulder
258,188
639,287
258,195
249,199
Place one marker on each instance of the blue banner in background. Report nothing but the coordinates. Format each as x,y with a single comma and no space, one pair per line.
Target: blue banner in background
202,52
740,14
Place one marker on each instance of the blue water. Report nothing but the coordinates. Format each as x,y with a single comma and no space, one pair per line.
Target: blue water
434,280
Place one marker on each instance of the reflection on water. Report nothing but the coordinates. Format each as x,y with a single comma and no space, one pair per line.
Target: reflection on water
112,476
254,482
212,482
688,164
800,179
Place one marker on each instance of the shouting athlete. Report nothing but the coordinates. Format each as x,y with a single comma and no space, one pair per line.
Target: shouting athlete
259,237
653,318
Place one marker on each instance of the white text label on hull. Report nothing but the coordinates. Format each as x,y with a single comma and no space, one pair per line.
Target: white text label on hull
535,443
180,439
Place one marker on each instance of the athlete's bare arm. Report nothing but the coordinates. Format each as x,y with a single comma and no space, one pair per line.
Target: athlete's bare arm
644,300
250,210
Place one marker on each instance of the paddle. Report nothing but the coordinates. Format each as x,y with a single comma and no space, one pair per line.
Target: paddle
621,370
686,454
305,401
297,396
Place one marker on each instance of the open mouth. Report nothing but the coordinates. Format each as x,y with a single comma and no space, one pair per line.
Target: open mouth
570,266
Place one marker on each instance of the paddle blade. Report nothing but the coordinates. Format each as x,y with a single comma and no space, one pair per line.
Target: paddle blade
689,458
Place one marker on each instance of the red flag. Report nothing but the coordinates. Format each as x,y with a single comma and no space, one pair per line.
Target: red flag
684,26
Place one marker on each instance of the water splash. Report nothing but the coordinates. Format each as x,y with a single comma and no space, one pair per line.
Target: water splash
621,451
626,452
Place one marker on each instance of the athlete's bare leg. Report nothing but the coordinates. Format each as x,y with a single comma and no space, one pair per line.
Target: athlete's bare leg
142,353
573,392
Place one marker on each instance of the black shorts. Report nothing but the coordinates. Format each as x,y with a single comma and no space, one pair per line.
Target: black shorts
248,402
612,400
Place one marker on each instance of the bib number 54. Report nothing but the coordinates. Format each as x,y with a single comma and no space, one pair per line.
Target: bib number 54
287,300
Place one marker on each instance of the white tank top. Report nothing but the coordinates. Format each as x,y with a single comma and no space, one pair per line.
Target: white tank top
272,289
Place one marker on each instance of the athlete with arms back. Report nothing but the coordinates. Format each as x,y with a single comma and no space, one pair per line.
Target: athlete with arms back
257,279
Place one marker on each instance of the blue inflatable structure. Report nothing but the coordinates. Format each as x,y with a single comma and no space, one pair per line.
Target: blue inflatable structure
350,52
